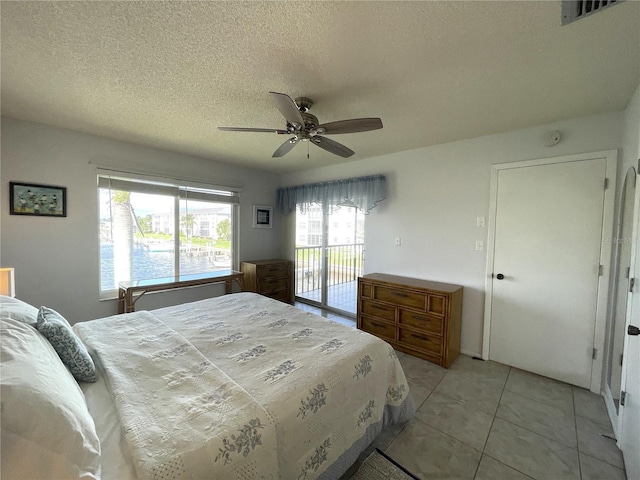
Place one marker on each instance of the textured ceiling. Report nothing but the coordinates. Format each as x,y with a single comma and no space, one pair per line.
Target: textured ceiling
166,74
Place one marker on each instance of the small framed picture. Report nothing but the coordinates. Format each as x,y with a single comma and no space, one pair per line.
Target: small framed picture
34,199
262,216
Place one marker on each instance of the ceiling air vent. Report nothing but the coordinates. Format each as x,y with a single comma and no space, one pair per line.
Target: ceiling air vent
573,10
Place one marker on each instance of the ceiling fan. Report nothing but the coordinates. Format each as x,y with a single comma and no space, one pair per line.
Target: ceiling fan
305,127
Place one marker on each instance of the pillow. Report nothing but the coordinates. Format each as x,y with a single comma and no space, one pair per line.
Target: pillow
46,431
18,310
70,348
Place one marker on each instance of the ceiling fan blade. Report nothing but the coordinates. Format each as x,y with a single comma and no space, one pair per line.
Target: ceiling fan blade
350,126
287,108
285,147
332,146
242,129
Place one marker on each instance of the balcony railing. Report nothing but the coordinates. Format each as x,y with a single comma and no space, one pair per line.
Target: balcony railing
344,264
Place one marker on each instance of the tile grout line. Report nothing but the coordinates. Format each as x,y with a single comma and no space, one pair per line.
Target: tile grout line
523,394
494,419
491,427
603,461
482,453
573,416
591,456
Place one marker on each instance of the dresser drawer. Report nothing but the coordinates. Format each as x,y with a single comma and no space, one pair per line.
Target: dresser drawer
421,321
421,340
282,295
365,290
388,312
400,297
272,270
437,305
271,284
379,328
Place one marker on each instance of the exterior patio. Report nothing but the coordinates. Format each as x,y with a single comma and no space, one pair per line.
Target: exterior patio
342,297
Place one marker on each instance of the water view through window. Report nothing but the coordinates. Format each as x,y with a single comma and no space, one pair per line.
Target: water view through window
138,232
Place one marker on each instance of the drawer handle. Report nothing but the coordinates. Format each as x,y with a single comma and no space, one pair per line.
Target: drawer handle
399,294
418,317
379,325
420,337
378,307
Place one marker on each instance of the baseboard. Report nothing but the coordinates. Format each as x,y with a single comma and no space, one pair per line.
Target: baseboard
471,354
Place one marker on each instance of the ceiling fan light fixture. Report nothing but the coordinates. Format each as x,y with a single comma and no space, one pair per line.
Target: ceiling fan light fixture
305,126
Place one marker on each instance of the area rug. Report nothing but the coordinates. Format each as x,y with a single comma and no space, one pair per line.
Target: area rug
379,466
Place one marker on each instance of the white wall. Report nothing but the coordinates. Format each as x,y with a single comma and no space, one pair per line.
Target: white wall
435,195
57,259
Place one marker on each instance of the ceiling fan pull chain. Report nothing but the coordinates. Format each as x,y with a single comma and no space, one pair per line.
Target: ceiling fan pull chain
308,150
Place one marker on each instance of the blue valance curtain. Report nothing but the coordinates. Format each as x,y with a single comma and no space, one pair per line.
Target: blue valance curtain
362,192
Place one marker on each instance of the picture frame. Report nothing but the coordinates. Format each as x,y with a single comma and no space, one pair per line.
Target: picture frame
36,199
262,216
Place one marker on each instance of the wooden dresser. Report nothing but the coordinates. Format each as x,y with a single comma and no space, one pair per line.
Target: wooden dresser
418,317
271,278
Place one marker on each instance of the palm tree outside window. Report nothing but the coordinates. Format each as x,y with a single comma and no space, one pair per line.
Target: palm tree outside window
151,230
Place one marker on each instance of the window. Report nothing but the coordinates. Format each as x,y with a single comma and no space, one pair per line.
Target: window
154,230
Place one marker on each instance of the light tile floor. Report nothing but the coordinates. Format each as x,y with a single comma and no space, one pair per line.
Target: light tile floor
486,421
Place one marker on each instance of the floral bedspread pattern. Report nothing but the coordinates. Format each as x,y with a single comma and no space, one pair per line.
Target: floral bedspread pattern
324,385
317,388
182,416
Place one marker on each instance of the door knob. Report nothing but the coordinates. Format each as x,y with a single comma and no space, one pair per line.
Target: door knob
633,330
500,276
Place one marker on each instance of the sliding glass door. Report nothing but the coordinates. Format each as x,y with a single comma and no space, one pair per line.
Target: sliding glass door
329,257
330,227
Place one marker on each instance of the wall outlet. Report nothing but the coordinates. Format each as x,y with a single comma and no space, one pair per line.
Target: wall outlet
479,221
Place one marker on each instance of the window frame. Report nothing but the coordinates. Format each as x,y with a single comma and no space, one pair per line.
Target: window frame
179,190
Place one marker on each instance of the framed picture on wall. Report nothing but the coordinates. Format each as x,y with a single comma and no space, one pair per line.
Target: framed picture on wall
35,199
262,216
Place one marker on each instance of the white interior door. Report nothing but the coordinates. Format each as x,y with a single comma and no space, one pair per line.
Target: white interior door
629,440
547,248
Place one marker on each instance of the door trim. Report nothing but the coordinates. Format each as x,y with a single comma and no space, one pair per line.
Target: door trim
631,316
611,157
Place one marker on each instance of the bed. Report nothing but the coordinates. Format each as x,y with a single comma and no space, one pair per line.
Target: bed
235,387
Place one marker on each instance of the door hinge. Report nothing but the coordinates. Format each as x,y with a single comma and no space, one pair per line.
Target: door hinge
623,397
594,354
600,270
621,358
632,283
606,183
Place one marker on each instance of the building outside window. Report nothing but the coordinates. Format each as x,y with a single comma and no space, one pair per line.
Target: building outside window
153,230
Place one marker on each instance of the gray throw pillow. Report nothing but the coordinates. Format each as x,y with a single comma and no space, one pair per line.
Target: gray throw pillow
69,347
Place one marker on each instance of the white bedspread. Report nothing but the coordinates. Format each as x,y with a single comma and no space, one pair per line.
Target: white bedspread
234,367
182,416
